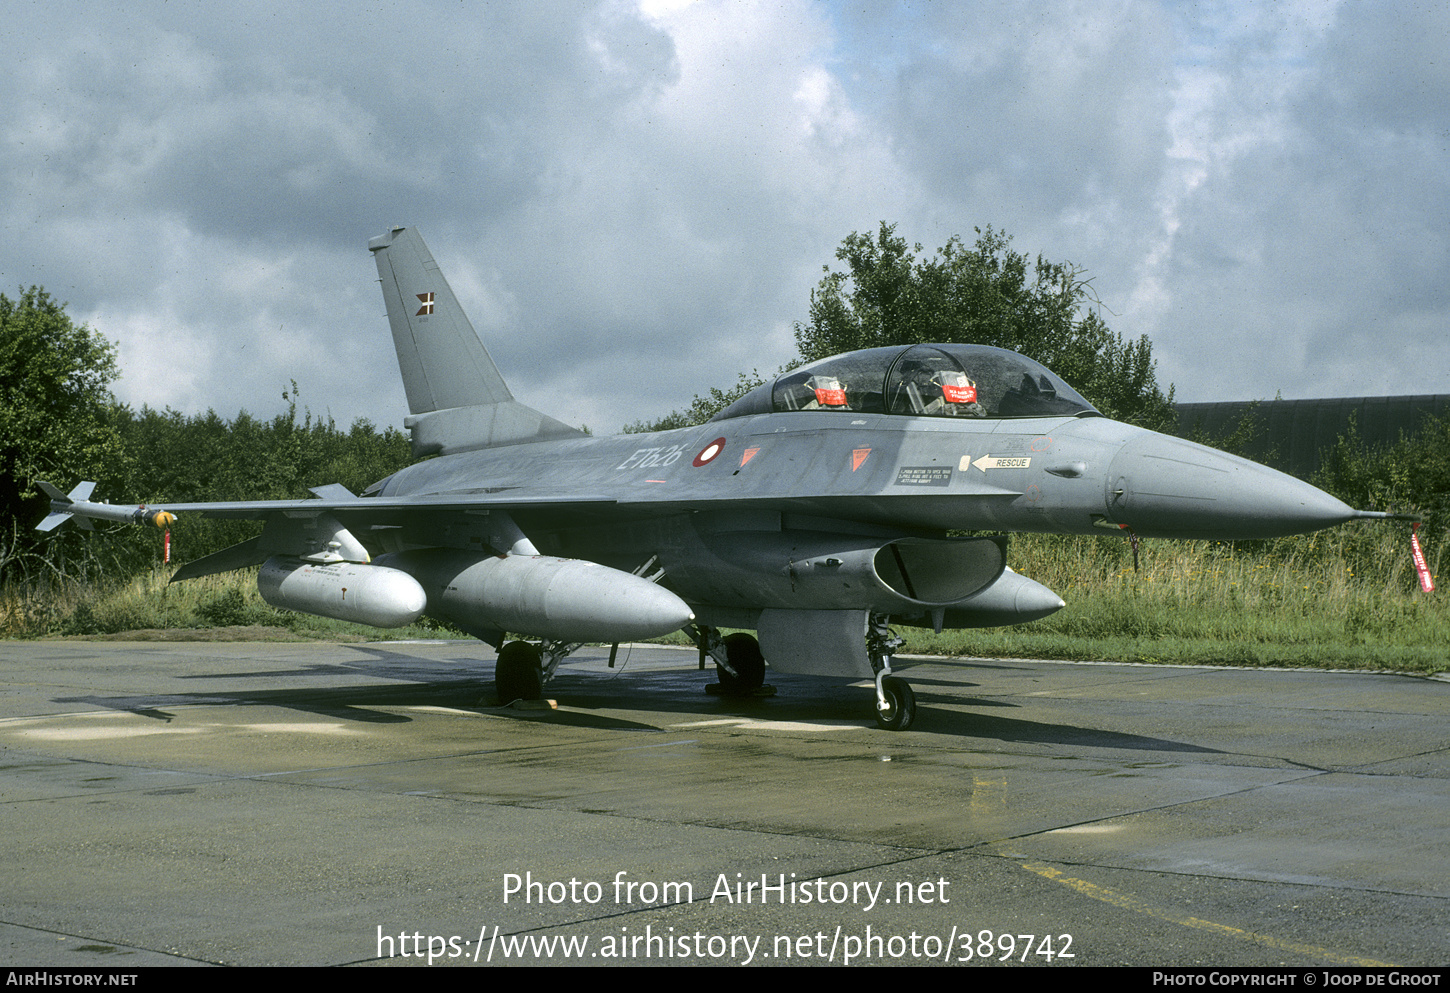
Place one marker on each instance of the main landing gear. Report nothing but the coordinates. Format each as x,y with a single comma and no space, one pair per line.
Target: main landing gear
523,668
742,653
519,673
739,664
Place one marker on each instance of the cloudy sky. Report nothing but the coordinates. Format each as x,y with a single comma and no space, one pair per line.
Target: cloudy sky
634,198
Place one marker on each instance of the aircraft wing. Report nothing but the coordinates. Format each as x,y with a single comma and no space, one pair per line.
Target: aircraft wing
396,511
374,507
320,528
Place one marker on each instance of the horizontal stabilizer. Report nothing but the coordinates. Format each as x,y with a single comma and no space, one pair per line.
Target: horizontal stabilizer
315,538
465,429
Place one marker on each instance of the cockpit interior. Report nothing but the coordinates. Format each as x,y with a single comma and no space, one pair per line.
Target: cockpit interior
946,380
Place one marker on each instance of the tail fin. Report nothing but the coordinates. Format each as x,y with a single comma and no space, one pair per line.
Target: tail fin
457,398
57,517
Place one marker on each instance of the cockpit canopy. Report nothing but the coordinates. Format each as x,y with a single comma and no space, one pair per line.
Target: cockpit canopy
920,381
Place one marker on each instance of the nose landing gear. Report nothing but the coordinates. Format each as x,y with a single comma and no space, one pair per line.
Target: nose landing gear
895,699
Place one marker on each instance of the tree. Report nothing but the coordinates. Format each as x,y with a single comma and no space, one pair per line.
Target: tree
200,458
1412,475
55,406
982,295
59,422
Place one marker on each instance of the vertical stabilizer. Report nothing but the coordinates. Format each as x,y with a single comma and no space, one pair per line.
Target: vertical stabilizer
458,400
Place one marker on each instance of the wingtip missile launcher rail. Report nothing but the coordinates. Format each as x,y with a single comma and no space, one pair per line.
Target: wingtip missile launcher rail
64,506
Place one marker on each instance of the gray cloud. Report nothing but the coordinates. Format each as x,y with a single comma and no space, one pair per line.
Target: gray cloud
635,199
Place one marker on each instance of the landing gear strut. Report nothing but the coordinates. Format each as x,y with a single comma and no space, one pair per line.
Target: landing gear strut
895,700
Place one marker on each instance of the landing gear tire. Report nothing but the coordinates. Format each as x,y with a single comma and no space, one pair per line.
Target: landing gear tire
742,651
900,708
518,674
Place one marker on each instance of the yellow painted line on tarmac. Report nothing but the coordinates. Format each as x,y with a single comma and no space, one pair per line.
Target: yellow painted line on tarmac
1126,902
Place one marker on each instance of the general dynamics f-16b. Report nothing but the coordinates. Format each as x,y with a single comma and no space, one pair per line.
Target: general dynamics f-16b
816,510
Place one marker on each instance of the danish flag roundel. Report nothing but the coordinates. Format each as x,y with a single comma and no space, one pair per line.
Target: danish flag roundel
708,453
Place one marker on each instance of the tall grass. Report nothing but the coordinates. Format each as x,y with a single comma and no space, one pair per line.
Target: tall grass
1348,596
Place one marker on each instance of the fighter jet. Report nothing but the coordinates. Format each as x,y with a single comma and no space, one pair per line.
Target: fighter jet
818,510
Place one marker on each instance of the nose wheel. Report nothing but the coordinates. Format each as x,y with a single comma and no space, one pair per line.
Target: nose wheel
895,703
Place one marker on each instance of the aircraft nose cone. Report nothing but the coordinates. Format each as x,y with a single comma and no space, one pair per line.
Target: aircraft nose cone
1167,487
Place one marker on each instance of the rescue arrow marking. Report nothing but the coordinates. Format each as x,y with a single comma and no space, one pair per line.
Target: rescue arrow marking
996,462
